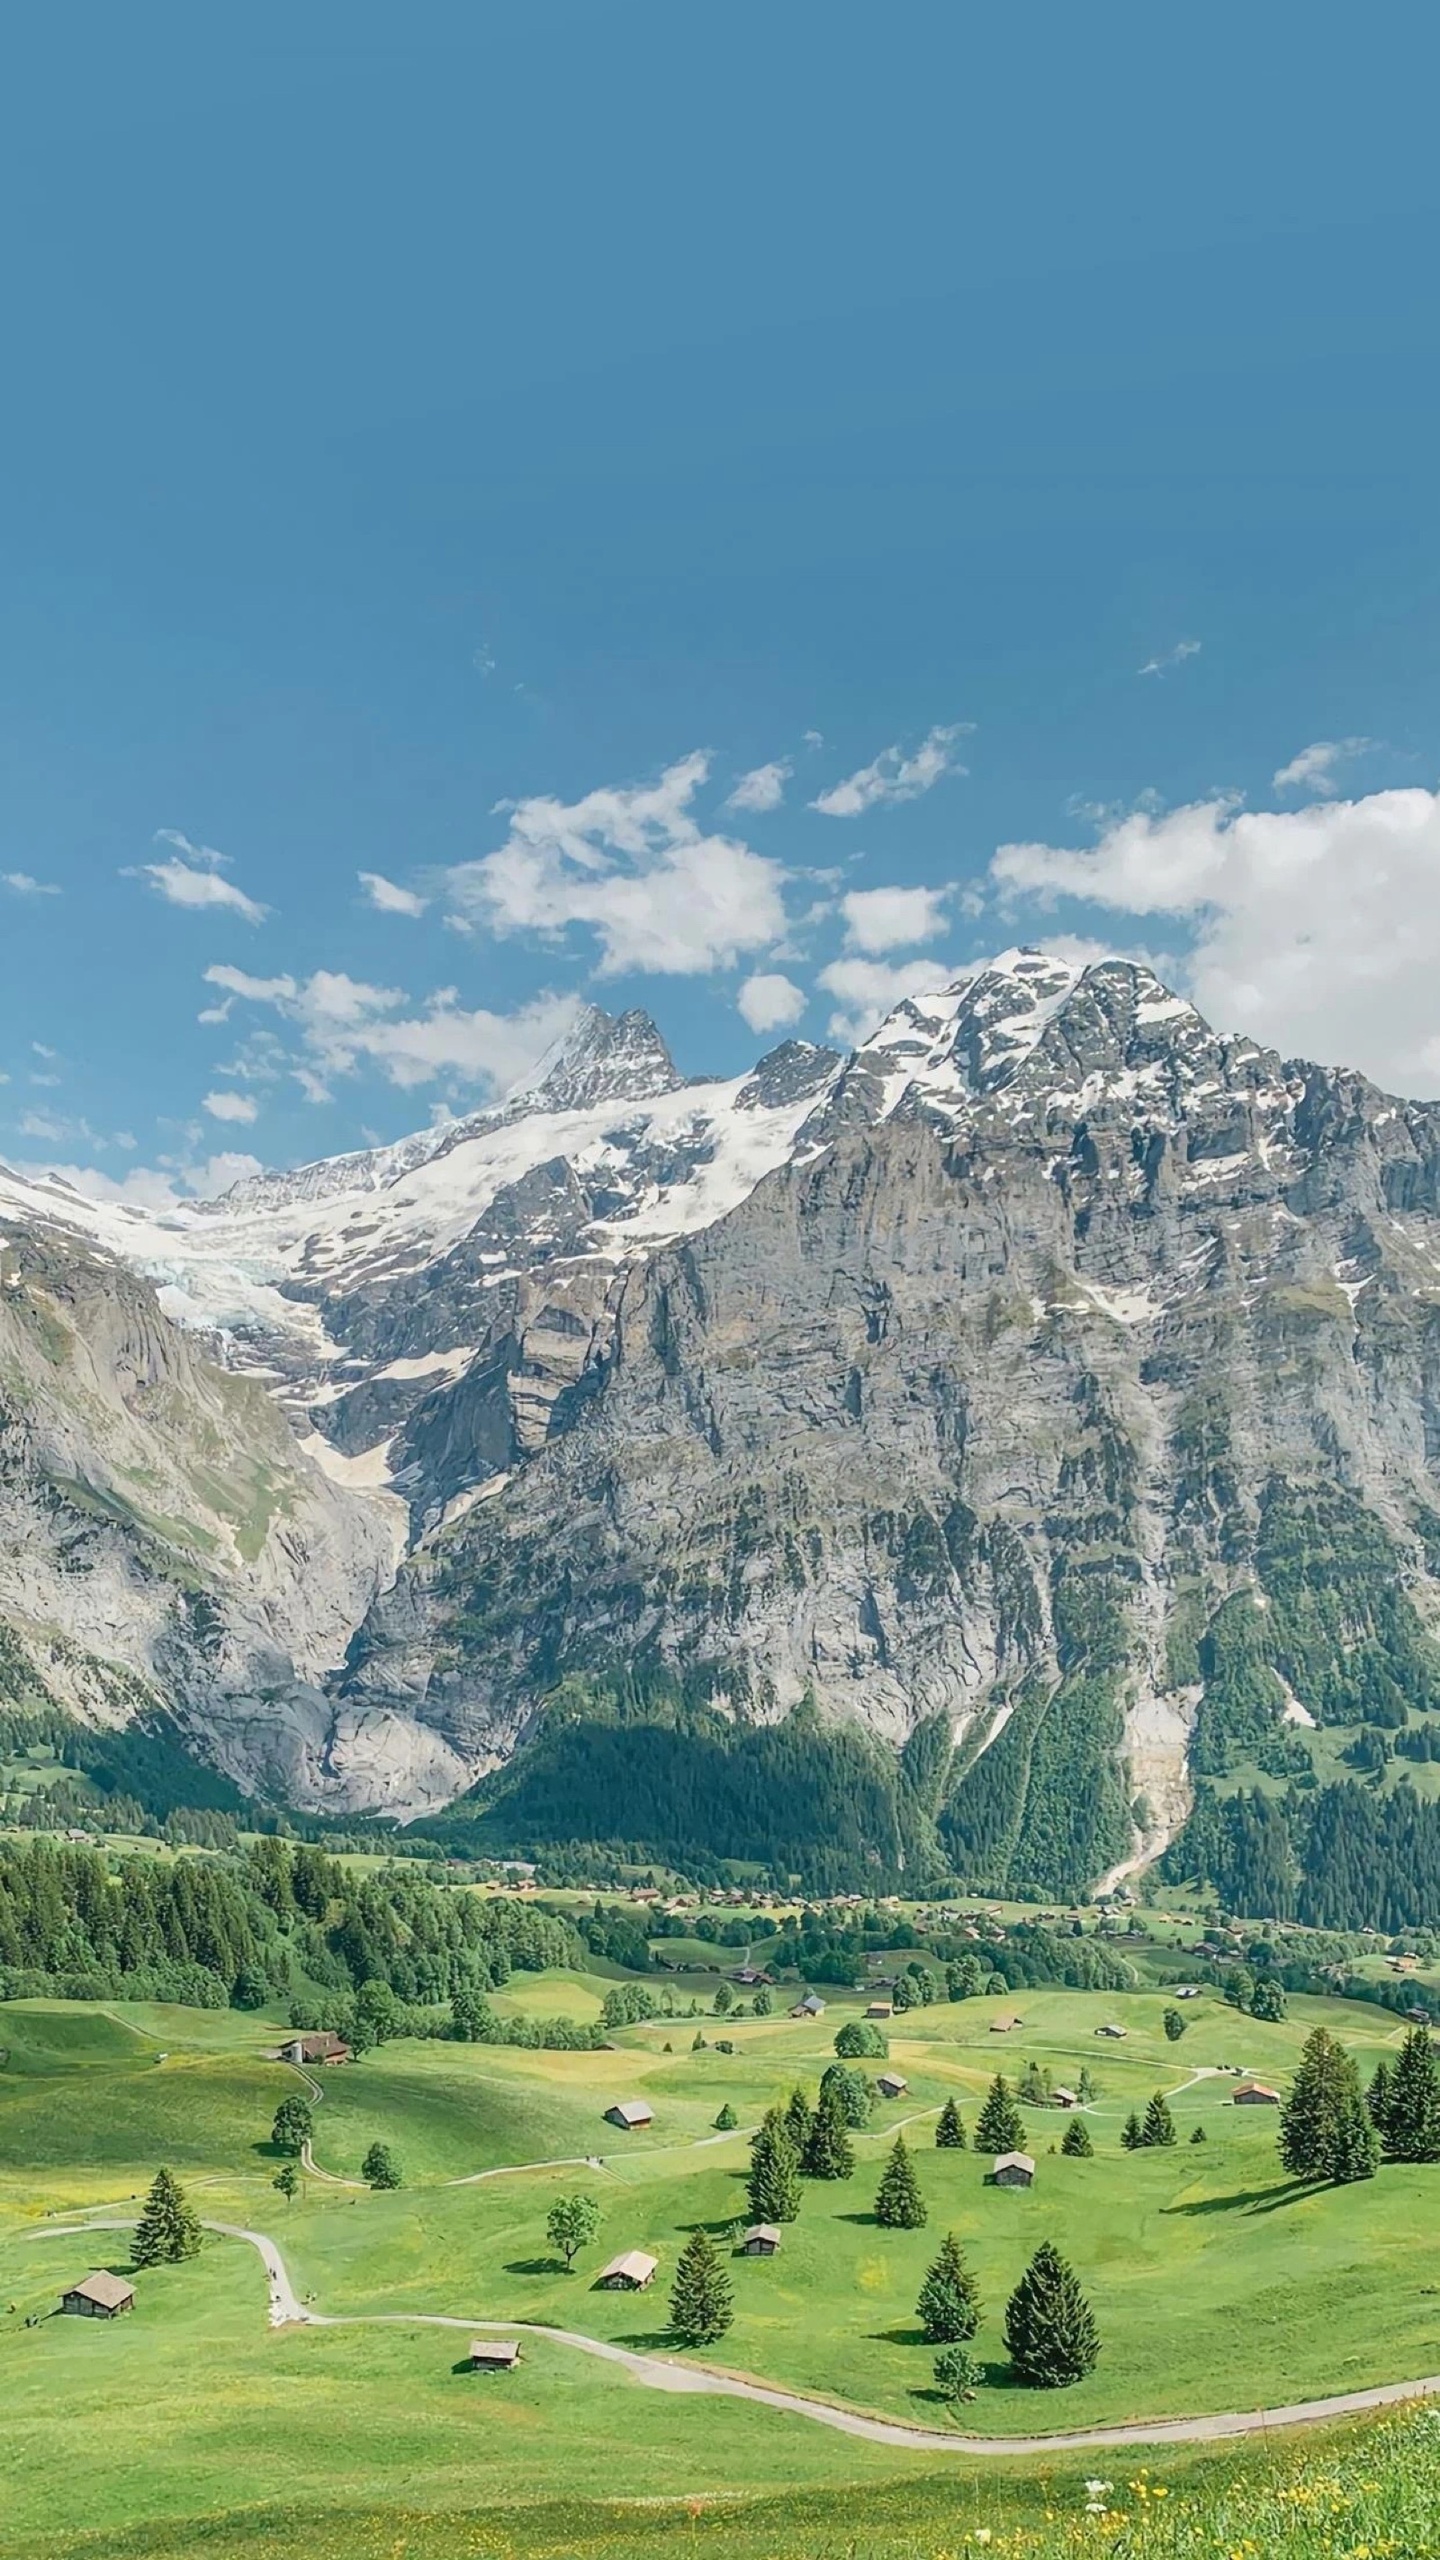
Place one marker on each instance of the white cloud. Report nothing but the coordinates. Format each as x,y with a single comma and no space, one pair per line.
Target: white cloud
866,990
22,885
391,900
225,1105
763,788
192,877
345,1023
633,866
50,1128
888,919
770,1002
896,776
1314,767
1175,657
159,1187
1317,930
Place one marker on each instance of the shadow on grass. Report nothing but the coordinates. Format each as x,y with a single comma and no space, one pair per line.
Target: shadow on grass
1249,2199
719,2227
909,2337
537,2267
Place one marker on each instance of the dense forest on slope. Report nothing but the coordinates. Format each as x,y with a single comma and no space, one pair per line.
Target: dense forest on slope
1340,1857
278,1922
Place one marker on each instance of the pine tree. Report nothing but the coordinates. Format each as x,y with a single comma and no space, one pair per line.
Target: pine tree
701,2303
1133,2136
827,2152
1411,2127
167,2230
727,2119
797,2120
949,2304
1199,2134
1377,2096
1049,2327
956,2373
774,2181
899,2205
1158,2131
1325,2126
998,2126
950,2131
1077,2144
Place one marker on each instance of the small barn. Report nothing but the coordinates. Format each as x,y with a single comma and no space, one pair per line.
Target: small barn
630,2114
320,2047
812,2006
99,2296
1116,2034
1253,2093
892,2084
494,2355
1005,2026
762,2242
1013,2169
879,2009
631,2272
1065,2097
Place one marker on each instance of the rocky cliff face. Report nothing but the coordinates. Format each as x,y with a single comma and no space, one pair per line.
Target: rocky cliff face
1049,1376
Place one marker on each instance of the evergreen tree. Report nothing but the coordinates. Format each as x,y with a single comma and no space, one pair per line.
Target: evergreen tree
701,2303
827,2152
950,2130
855,2093
1086,2087
949,2304
956,2373
1325,2126
774,2181
899,2205
797,2121
168,2230
1174,2025
1199,2134
998,2126
1158,2131
1411,2130
380,2168
1049,2327
1133,2135
1034,2087
294,2125
1076,2143
727,2119
1377,2096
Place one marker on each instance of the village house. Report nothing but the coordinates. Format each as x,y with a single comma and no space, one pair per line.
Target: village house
320,2047
494,2355
891,2084
762,2242
1013,2169
1005,2026
99,2296
630,2114
1253,2093
749,1976
631,2272
1065,2097
812,2006
879,2009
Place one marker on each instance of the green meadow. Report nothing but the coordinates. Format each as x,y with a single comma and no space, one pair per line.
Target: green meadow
1217,2283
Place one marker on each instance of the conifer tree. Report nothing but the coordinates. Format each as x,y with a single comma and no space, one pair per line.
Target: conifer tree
1199,2134
701,2303
1158,2131
950,2130
1133,2135
1076,2143
727,2119
899,2205
774,2181
1377,2096
998,2126
1174,2025
1049,2327
827,2152
797,2120
1325,2126
168,2230
949,2304
1411,2129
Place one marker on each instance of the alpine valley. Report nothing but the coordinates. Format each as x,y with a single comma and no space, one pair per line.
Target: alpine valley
934,1460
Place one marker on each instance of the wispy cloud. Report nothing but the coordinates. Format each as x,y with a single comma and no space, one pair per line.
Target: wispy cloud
630,863
345,1024
192,876
762,788
888,919
226,1105
866,990
1314,769
1169,658
768,1001
896,776
21,885
389,897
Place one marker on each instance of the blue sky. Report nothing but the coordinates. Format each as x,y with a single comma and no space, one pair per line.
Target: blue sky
453,448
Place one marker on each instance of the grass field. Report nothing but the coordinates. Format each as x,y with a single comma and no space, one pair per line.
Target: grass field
1216,2283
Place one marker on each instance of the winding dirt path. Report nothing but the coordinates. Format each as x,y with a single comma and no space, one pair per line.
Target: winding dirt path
663,2373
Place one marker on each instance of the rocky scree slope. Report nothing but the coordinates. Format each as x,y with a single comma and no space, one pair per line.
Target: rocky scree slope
1046,1393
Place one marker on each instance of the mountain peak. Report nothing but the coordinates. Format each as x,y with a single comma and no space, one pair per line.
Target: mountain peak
603,1057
